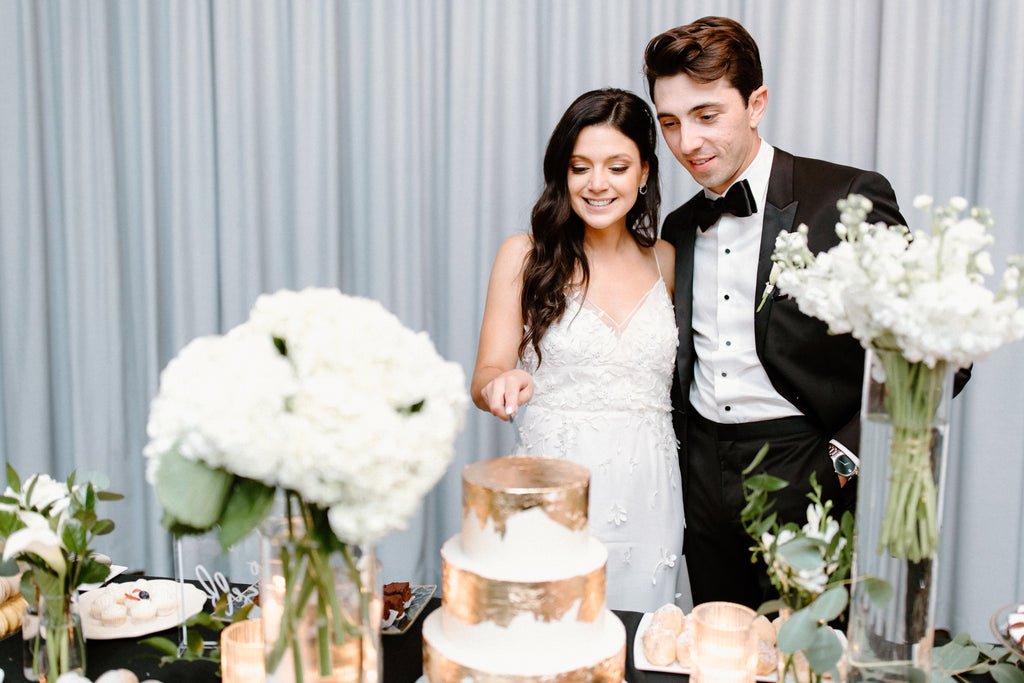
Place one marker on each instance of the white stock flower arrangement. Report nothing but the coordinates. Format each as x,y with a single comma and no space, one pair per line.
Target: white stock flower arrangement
919,298
920,292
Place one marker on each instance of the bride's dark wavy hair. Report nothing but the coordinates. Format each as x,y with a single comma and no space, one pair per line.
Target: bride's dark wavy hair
557,230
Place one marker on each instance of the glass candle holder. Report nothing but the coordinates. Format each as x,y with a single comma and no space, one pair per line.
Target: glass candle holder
724,643
241,652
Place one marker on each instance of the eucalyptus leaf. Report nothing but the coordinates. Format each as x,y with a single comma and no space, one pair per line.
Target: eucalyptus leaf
772,606
954,657
830,604
109,495
1005,672
801,553
191,493
825,652
880,591
992,651
963,638
798,632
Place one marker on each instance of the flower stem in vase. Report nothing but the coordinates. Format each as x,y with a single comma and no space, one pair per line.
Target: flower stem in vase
61,630
910,528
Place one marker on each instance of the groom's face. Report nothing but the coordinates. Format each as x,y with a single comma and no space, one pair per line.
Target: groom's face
709,128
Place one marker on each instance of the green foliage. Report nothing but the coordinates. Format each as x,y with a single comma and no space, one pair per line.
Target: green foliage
197,498
192,494
61,523
194,649
248,504
963,657
808,565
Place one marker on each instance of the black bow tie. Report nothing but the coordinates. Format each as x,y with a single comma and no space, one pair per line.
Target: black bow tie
739,201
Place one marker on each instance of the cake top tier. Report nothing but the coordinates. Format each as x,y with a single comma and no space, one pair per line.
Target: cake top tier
499,488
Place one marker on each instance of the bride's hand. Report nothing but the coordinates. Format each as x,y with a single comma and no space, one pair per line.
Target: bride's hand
506,392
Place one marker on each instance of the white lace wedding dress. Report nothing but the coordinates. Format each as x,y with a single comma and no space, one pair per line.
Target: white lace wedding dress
601,399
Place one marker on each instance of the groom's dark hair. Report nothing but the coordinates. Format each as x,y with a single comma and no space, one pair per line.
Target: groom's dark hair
706,50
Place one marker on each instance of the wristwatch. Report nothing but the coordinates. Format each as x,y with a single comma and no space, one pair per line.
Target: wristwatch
845,464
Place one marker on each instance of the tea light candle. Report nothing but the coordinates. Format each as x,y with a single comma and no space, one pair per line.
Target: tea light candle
241,652
724,643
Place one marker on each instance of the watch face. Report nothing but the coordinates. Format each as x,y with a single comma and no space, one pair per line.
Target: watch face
844,465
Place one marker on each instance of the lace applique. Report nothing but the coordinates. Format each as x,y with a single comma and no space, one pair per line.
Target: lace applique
668,561
617,514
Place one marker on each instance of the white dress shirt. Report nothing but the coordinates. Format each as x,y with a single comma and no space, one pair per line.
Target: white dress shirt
729,384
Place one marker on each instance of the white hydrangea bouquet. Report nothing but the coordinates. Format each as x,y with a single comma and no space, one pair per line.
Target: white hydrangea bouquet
920,298
323,398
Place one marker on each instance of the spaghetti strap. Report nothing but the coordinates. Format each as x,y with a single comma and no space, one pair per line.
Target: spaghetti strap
657,262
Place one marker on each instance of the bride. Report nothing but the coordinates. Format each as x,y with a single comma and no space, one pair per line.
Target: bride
578,341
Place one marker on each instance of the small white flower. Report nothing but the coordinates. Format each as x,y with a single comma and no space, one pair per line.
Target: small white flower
922,202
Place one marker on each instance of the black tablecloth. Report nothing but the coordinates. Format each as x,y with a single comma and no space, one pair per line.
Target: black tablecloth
403,657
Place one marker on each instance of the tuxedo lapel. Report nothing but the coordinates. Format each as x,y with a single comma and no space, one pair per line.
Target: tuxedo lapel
684,301
779,214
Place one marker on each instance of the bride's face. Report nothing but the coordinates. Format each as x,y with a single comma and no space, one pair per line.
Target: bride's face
604,177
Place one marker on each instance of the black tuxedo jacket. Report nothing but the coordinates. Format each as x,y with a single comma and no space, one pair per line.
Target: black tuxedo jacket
819,373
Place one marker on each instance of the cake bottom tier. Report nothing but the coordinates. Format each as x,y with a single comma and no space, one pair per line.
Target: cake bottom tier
524,653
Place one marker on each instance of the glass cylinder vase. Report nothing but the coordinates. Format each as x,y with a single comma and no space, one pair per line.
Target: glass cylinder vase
320,604
60,644
904,440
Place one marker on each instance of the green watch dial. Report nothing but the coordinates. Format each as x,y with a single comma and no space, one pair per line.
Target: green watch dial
845,465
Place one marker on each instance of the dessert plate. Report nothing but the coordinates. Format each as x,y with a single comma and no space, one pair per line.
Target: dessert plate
640,659
93,628
420,596
999,623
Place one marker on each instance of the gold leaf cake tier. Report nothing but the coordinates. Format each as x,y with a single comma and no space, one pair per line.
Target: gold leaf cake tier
523,596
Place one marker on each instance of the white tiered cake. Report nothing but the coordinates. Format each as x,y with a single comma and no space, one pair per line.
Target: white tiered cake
524,583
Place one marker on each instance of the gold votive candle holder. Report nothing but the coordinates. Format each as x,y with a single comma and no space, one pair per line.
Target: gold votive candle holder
241,652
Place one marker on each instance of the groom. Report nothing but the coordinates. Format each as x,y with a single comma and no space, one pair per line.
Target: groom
746,377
